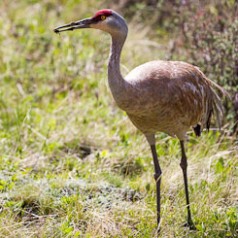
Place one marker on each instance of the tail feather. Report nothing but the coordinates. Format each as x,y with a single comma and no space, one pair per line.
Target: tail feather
217,107
215,102
208,123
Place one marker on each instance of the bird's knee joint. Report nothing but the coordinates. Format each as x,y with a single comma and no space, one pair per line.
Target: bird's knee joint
183,164
157,176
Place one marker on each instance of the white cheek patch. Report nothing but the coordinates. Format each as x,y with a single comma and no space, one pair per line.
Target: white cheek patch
101,25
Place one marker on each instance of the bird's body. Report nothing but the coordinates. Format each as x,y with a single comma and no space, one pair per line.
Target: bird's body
166,96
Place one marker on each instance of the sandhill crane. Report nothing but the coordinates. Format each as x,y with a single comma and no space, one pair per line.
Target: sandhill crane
165,96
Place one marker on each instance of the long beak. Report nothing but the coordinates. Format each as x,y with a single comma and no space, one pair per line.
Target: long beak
85,23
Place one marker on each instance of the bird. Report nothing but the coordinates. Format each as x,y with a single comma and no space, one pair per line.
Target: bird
158,96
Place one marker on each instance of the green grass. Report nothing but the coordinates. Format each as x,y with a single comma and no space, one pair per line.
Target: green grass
72,165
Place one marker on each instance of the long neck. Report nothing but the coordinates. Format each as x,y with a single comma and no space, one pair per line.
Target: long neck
115,79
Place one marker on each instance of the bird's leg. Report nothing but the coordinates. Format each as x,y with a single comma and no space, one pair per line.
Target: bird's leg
184,165
157,175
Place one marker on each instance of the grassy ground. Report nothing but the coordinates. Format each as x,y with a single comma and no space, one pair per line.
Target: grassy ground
72,165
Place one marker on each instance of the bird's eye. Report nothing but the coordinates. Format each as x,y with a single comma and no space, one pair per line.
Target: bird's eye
103,17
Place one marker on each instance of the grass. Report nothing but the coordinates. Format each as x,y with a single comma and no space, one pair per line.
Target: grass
72,165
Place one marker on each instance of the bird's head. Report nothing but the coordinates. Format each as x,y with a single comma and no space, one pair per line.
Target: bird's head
106,20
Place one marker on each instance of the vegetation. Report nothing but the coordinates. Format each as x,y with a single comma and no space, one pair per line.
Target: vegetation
72,165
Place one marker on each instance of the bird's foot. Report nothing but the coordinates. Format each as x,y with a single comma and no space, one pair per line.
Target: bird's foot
157,232
190,225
